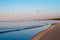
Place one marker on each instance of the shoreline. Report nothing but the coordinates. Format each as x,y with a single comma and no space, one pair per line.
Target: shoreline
43,35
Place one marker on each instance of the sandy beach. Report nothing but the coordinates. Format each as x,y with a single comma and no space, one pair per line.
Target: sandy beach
52,33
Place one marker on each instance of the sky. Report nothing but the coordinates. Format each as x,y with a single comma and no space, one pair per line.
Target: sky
29,9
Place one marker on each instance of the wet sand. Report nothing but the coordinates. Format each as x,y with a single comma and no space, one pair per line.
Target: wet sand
52,33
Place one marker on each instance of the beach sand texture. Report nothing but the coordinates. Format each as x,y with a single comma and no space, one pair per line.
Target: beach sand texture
52,33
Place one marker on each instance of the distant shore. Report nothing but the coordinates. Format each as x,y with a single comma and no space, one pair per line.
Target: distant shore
52,33
53,19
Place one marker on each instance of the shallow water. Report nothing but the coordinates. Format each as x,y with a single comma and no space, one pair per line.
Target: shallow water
26,34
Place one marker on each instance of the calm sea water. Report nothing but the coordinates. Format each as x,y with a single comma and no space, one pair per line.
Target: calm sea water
28,29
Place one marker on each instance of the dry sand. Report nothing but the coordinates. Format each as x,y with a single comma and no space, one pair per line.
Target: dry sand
52,33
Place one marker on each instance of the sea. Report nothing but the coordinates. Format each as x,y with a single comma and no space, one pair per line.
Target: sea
23,30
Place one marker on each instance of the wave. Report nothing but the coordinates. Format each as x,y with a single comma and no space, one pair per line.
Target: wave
1,32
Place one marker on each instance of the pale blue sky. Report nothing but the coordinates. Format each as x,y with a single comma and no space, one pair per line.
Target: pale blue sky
46,7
